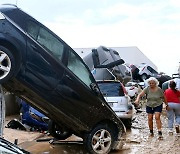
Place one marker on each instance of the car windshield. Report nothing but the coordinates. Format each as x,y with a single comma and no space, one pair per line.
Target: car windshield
111,89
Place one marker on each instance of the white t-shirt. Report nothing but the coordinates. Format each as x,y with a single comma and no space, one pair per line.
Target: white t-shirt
177,81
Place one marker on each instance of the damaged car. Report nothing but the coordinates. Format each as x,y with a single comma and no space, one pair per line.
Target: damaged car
7,147
106,64
32,117
40,68
146,71
116,96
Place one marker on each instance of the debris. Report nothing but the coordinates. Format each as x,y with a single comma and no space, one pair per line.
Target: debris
15,124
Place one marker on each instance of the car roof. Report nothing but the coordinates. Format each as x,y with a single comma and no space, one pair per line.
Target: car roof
7,7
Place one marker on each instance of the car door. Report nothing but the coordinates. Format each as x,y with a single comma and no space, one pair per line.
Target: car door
81,98
44,51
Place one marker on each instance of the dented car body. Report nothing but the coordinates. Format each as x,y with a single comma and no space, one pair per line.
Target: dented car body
39,67
106,64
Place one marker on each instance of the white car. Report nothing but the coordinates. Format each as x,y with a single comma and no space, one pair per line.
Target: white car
116,96
133,89
165,85
146,71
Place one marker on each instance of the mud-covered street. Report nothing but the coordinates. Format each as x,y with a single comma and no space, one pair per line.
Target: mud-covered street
137,140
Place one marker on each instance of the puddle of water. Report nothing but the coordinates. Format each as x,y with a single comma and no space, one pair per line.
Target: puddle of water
75,145
46,148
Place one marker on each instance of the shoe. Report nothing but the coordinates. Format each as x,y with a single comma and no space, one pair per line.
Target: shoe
170,132
177,129
151,134
160,135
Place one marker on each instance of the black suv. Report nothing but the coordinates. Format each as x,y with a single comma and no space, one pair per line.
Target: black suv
39,67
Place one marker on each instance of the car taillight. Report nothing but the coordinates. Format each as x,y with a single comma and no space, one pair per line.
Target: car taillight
1,16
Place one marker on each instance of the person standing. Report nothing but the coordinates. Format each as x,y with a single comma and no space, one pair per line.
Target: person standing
154,104
172,97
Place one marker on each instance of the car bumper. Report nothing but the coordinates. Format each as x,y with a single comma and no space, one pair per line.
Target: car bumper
124,115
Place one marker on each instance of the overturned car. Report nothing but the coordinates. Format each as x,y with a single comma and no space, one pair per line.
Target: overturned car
106,64
40,68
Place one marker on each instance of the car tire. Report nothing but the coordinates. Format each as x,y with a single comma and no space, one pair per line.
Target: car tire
7,64
144,77
100,139
127,123
58,132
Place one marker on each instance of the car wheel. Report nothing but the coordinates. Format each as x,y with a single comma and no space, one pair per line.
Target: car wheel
144,77
7,64
127,123
100,139
57,131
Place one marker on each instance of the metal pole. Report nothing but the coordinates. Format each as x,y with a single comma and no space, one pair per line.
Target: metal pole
2,111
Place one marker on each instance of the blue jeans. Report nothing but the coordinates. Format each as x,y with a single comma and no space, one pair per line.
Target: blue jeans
173,113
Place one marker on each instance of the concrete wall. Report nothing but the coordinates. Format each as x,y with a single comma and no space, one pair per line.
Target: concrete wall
11,106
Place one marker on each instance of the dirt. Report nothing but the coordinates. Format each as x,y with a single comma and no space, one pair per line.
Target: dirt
137,140
22,136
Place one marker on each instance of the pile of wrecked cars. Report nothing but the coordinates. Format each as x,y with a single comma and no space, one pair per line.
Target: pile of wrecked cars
40,68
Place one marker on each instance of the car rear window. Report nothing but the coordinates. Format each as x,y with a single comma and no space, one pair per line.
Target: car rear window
111,89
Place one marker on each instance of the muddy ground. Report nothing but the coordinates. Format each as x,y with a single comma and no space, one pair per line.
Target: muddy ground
137,140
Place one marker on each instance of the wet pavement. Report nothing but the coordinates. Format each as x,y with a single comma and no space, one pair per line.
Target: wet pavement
137,141
74,144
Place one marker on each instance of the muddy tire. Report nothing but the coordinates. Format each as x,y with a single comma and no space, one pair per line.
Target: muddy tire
100,139
57,131
7,64
127,123
144,77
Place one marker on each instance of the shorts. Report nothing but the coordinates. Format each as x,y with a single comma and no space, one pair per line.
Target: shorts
152,110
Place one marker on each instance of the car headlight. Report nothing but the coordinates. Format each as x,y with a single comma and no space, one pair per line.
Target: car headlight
1,16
